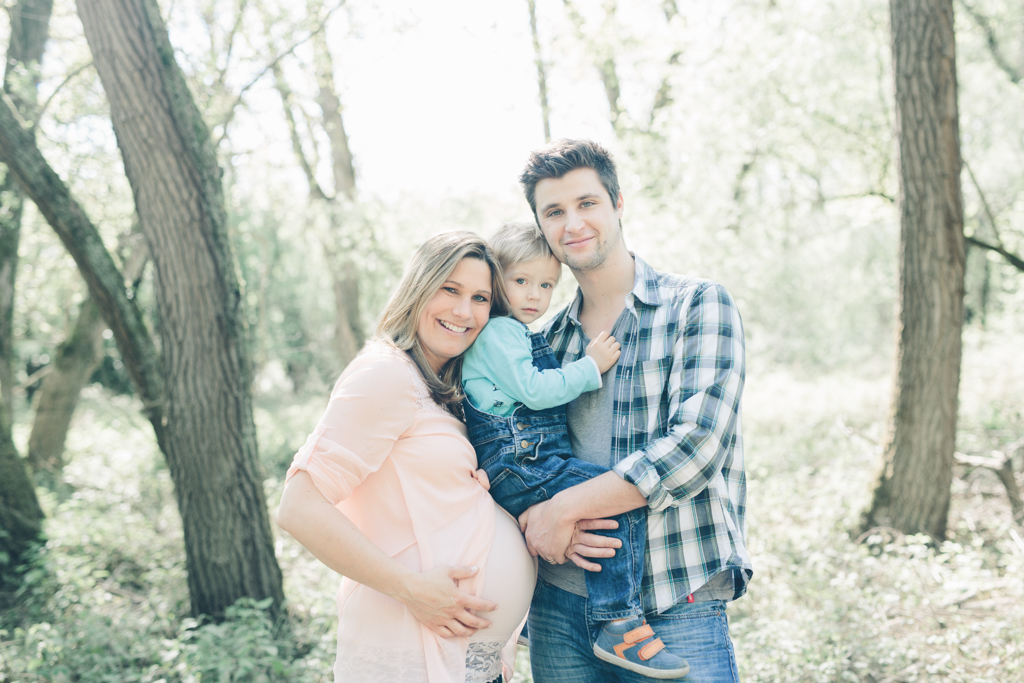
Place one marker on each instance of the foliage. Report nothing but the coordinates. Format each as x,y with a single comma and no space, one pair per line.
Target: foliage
823,605
828,606
97,608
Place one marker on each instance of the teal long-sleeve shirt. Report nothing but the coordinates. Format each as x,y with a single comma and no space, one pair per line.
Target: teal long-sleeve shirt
498,372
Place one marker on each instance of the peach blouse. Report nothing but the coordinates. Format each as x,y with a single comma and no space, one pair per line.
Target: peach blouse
400,468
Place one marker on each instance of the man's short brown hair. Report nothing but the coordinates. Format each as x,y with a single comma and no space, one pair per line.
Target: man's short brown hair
561,157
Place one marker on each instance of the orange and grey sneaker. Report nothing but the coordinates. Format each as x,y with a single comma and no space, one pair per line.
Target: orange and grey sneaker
632,645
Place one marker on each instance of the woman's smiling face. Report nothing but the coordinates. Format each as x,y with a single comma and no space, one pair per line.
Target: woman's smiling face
456,313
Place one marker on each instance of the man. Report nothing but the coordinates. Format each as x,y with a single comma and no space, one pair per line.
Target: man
666,421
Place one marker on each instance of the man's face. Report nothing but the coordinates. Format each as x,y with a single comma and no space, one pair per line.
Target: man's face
579,218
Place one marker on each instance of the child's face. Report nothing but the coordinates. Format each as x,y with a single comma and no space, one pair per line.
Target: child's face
529,285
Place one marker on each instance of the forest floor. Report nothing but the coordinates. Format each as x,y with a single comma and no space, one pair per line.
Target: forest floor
106,599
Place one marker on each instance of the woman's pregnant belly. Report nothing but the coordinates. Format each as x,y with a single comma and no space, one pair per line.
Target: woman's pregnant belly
510,573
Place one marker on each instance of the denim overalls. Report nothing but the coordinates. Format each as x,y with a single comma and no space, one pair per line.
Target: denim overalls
528,459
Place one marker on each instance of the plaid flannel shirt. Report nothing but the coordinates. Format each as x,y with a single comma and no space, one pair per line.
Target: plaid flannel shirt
676,435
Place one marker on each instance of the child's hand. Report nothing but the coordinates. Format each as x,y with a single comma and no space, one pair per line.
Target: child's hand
604,350
483,479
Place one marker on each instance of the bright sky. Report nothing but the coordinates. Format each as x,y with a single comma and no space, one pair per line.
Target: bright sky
450,104
442,99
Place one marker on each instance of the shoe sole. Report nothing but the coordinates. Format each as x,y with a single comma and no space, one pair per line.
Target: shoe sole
661,674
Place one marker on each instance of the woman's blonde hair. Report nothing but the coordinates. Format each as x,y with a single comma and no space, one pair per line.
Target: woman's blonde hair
428,269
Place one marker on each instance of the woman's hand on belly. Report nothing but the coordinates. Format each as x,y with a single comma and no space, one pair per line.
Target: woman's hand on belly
437,603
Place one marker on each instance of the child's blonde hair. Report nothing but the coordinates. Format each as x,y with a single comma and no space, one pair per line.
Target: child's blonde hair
519,242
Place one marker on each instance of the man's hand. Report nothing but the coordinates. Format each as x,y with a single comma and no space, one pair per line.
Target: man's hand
586,545
436,601
605,351
544,535
547,534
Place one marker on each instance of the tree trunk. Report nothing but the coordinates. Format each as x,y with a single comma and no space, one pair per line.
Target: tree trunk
21,518
542,76
333,124
209,435
338,242
348,336
11,207
29,25
913,491
604,61
58,395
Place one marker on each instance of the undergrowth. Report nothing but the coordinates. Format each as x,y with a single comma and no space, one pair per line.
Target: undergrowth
106,599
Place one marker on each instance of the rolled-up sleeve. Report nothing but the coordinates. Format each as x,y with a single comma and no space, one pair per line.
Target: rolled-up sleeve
370,408
705,386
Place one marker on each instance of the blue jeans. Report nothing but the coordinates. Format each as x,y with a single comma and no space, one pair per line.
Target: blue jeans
528,459
563,631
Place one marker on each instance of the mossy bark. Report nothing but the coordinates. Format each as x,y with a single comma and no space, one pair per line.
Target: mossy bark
209,438
21,517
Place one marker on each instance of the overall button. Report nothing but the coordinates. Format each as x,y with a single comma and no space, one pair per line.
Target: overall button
520,426
524,444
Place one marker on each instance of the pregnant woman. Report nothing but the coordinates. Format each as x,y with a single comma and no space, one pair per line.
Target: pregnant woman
436,577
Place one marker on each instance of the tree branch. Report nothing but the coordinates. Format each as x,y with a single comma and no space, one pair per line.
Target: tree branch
308,169
1014,260
989,213
18,150
67,79
1001,61
862,195
235,28
1002,464
270,66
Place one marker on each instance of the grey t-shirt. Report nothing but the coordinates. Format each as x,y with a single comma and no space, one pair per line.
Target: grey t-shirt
590,434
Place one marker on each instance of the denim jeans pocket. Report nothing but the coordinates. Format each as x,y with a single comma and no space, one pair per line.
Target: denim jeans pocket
506,485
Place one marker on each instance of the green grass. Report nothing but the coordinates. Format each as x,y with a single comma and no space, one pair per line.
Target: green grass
107,599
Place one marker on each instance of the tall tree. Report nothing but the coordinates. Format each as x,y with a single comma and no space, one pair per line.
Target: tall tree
913,490
340,245
209,437
340,239
604,60
29,26
542,75
196,390
20,515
